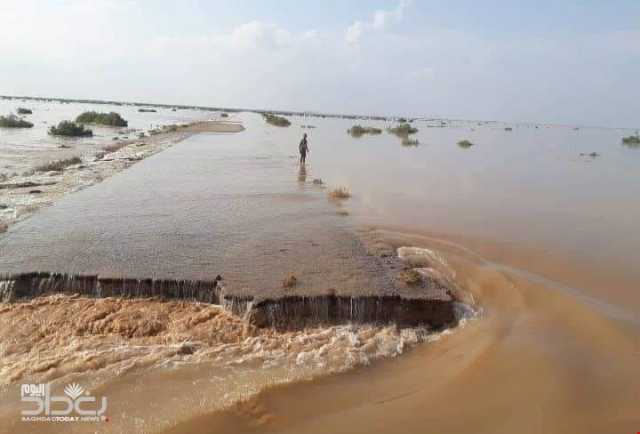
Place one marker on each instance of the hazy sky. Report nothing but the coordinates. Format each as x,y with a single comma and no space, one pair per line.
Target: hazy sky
558,61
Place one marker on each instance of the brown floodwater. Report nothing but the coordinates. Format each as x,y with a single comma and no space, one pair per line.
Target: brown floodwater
543,237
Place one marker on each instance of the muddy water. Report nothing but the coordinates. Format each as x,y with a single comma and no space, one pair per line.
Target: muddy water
543,237
229,204
159,363
540,360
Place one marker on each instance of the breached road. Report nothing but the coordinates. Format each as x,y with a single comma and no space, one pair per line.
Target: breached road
233,205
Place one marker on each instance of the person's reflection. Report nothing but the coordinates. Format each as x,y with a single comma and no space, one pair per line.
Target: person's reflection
302,174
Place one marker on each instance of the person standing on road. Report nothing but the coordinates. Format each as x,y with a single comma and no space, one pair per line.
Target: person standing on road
304,149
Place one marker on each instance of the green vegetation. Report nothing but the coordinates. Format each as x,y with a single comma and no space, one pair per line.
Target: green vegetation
403,130
224,115
278,121
12,121
406,141
58,165
147,110
70,129
465,144
359,131
111,119
24,111
632,141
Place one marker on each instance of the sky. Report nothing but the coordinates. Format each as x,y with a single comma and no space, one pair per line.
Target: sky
573,62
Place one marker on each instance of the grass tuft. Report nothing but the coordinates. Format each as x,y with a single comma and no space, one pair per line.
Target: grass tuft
290,281
465,144
340,193
410,277
24,111
359,131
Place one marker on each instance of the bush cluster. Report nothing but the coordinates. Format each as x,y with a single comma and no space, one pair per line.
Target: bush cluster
12,121
111,119
70,129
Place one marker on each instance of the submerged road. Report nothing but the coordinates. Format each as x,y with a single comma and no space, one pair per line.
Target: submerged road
229,204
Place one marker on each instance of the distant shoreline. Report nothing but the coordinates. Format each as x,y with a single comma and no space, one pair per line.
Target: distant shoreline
386,118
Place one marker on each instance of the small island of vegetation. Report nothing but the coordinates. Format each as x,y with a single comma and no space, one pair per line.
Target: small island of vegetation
359,131
632,141
147,110
465,144
70,129
24,111
403,130
111,119
406,141
13,121
278,121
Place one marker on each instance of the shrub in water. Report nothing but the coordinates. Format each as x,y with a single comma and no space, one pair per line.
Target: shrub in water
406,141
12,121
403,130
278,121
632,141
359,131
112,119
465,144
70,129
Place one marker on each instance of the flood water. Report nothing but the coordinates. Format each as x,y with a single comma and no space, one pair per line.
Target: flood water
23,148
543,237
